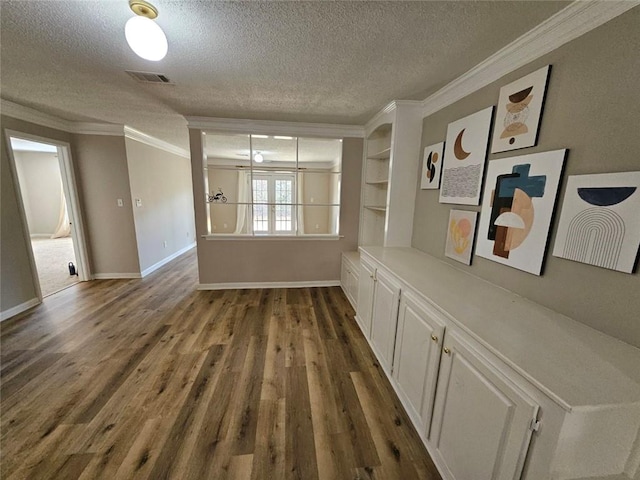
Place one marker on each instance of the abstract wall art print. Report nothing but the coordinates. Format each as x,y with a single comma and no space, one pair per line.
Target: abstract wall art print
432,166
519,112
517,207
460,234
600,220
464,158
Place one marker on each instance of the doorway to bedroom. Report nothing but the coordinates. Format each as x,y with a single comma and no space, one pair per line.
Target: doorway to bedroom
48,213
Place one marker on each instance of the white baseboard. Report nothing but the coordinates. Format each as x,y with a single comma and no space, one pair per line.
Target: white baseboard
246,285
12,312
41,235
115,276
166,260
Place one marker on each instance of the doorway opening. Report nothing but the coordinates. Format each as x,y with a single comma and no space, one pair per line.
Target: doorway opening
49,207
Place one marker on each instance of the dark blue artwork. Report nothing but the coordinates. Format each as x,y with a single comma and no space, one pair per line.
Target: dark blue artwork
505,188
605,196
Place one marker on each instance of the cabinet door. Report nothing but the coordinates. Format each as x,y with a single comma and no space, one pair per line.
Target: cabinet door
365,296
417,357
481,421
384,318
352,286
344,277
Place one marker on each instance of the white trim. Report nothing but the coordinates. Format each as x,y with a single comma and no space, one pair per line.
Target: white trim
30,115
116,276
98,129
142,137
270,127
568,24
387,114
27,114
253,285
23,307
40,235
166,260
231,236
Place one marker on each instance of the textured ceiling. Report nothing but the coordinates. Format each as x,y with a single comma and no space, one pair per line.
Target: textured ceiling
333,62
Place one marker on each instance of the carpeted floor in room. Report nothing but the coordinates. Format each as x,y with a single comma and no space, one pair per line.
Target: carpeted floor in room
52,257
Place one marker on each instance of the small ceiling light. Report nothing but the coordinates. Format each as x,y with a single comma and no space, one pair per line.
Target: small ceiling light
144,36
258,157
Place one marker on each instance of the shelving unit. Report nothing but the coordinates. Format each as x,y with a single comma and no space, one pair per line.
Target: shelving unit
376,185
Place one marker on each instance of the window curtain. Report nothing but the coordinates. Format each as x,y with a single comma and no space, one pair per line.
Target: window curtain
300,202
64,228
244,197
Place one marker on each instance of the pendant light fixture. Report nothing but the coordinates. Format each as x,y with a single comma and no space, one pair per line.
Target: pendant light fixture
143,34
258,157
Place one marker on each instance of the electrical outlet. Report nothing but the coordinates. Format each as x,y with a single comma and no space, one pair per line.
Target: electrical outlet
138,202
120,202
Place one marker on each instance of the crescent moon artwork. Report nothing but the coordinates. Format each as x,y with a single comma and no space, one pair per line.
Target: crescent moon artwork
458,151
464,158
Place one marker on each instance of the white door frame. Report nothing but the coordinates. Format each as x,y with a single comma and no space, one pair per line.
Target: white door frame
69,186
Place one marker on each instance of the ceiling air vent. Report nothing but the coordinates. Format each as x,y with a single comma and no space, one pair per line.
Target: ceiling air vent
146,77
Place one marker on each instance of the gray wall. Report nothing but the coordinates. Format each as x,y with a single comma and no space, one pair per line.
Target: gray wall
162,181
41,187
103,177
226,261
16,277
593,109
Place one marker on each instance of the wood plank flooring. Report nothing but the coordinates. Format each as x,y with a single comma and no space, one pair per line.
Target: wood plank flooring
154,379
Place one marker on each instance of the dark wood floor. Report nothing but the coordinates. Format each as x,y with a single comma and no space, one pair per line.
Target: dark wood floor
154,379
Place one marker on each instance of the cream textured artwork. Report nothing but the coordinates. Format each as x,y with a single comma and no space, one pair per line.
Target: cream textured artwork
599,223
519,111
464,157
460,234
517,207
432,166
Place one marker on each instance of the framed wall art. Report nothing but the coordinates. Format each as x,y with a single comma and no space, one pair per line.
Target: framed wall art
464,158
517,207
460,234
519,112
432,166
600,221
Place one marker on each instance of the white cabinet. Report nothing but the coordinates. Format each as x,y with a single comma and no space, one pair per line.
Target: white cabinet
349,276
417,358
481,423
366,286
478,372
384,317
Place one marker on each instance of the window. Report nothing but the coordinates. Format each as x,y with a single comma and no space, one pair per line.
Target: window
273,203
260,185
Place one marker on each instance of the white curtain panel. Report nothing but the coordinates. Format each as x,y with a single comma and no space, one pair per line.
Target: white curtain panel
244,198
300,201
64,228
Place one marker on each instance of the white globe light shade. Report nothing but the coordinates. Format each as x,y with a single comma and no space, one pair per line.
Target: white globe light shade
146,38
258,158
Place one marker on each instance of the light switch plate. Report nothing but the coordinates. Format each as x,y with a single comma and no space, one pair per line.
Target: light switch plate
138,202
120,202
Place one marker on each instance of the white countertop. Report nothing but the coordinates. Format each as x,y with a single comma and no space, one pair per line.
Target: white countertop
575,365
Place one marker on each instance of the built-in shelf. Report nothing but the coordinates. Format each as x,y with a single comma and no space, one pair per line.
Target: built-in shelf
382,155
376,208
378,182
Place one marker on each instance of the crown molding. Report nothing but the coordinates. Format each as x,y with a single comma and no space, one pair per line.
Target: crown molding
85,128
142,137
270,127
575,20
386,115
27,114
